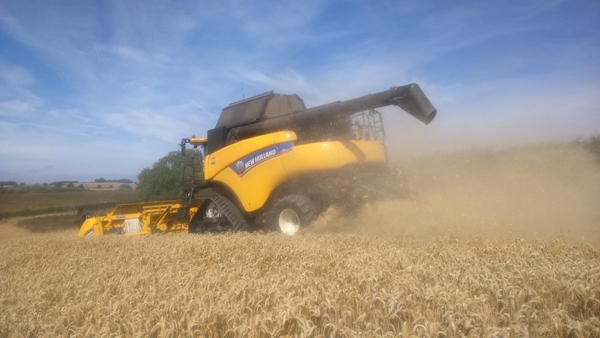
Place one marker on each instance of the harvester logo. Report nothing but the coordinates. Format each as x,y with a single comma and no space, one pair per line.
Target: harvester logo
245,164
239,166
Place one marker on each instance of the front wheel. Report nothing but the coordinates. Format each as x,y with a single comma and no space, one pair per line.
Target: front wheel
290,214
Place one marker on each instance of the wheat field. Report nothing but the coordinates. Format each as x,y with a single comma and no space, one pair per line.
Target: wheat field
311,285
500,244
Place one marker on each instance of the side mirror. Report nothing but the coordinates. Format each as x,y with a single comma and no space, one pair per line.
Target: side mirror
184,141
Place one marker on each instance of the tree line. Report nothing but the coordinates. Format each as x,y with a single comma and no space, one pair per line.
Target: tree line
122,180
166,179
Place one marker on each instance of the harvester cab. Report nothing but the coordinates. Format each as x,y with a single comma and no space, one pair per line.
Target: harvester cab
194,170
271,163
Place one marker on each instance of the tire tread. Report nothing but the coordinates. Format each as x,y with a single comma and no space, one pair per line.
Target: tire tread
232,213
303,203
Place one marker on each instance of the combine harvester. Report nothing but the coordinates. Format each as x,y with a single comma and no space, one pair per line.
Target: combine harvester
272,164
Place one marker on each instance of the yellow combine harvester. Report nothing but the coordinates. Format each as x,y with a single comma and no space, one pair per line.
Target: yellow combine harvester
272,164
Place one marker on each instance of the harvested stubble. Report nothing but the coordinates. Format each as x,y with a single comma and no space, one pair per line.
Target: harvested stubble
310,285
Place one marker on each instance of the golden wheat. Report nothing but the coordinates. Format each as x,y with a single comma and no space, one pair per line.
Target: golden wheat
311,285
442,264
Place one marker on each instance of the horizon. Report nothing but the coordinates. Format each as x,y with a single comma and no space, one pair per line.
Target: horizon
105,89
493,151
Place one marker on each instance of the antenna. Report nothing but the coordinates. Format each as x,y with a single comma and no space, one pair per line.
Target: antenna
243,96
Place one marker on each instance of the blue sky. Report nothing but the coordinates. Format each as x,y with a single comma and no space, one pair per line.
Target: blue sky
93,89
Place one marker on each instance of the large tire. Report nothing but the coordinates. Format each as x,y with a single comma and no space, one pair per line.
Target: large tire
232,217
290,214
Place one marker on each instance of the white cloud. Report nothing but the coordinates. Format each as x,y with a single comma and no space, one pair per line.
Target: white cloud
16,98
17,107
146,123
141,75
16,77
280,23
7,126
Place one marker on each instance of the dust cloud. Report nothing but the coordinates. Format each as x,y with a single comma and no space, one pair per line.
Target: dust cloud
540,191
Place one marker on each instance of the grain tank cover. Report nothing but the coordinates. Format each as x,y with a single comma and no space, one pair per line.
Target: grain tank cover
260,107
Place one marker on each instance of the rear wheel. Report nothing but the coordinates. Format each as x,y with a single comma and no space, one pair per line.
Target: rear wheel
290,214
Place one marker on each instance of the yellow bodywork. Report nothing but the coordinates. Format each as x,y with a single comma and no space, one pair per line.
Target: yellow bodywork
251,168
140,218
254,187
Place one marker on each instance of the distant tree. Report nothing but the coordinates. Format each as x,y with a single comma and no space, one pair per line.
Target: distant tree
99,186
110,186
45,184
80,186
123,180
22,184
164,179
70,185
64,182
593,144
125,186
100,180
